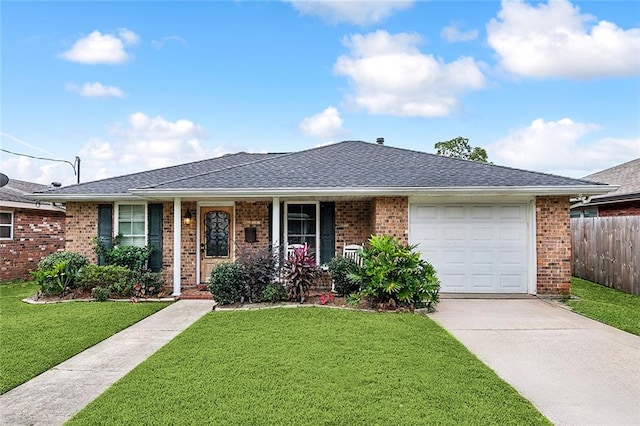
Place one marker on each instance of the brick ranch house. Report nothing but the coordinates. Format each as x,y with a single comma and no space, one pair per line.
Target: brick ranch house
486,228
29,229
624,201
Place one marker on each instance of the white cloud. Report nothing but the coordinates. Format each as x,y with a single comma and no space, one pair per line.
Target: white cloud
96,90
452,34
30,170
389,75
559,147
556,40
144,143
324,125
356,12
98,48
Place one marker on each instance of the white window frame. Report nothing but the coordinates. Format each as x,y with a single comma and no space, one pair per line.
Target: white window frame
116,218
10,226
286,224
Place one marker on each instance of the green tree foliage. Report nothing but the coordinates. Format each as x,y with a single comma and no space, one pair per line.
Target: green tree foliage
459,148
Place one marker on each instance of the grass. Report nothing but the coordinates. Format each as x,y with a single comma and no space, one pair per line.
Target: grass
34,338
311,366
615,308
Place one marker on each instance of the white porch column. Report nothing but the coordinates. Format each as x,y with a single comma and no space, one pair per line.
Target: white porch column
275,223
177,243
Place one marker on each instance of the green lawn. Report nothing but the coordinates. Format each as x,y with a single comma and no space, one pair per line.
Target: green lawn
613,307
311,366
34,338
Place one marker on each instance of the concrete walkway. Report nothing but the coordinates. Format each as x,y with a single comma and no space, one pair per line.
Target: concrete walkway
576,371
56,395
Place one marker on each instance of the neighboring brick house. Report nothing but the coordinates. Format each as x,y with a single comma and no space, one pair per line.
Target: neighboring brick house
29,229
624,201
486,228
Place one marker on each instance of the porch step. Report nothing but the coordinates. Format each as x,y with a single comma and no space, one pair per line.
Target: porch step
195,294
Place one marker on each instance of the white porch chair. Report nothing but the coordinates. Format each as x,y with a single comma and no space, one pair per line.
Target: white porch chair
291,248
352,251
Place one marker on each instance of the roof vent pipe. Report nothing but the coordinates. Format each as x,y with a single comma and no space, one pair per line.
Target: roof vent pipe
380,141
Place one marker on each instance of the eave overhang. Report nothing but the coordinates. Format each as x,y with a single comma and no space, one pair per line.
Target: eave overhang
214,193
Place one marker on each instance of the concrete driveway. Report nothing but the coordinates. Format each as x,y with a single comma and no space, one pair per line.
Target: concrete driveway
576,371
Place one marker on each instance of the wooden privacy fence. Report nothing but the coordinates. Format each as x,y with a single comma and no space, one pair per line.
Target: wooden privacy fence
606,250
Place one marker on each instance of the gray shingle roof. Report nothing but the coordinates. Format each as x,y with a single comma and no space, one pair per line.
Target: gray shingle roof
20,191
122,184
627,175
358,164
349,164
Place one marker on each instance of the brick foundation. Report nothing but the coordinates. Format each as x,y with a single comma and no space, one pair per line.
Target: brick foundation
553,246
36,234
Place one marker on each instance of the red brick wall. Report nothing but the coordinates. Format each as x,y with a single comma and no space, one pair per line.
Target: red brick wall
251,214
82,226
36,234
630,208
353,223
553,245
390,216
189,243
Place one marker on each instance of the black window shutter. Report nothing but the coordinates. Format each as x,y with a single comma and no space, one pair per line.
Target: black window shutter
327,231
155,236
105,227
269,224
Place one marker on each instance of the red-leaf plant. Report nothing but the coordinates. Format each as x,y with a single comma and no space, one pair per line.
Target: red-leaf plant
300,271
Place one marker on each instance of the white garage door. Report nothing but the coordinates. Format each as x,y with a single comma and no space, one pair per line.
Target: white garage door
474,248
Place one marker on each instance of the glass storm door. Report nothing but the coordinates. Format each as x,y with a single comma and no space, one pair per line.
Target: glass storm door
216,238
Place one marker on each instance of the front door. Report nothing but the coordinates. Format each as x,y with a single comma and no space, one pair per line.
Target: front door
216,233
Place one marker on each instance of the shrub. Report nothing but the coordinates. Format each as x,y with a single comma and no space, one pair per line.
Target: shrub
392,273
259,266
58,272
340,268
147,284
132,257
116,278
227,283
101,294
300,271
274,292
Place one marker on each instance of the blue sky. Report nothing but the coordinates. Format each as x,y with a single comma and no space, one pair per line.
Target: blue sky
129,86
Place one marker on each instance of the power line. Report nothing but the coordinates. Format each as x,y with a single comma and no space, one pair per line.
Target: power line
73,165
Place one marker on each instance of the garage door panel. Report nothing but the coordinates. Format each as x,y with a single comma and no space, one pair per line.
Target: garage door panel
482,281
482,212
474,248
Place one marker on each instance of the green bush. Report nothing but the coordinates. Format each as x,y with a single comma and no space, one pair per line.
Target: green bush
392,273
227,283
132,257
274,292
259,266
147,283
339,269
101,294
58,272
115,278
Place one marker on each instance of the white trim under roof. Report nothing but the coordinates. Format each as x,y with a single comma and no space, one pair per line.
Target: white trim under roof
213,193
33,206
